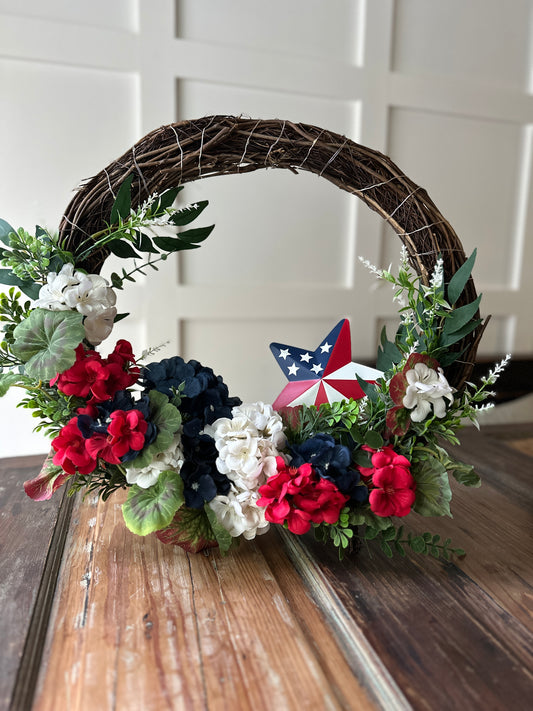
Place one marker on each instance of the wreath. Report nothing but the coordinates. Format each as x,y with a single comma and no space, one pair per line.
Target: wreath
346,450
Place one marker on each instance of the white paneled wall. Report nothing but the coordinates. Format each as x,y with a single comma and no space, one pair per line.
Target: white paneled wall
443,87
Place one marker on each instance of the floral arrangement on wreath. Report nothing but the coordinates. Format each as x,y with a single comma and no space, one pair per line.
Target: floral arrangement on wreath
201,468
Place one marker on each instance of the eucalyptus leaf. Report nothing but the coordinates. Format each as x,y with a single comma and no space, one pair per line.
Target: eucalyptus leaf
459,279
197,234
149,510
122,205
448,339
46,341
166,200
5,231
173,244
187,214
28,287
123,249
461,316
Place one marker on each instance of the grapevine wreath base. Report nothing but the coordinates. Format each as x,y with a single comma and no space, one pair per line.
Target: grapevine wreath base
345,450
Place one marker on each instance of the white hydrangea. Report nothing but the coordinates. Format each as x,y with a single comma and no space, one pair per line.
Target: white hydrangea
426,388
247,448
245,442
171,459
239,514
52,294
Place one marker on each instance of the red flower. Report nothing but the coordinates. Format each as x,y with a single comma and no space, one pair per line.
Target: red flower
71,453
100,379
126,431
392,485
300,497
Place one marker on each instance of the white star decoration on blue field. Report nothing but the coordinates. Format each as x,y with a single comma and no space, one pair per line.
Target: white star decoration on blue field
324,375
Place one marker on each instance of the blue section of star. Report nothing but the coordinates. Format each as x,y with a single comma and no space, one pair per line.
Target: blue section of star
303,364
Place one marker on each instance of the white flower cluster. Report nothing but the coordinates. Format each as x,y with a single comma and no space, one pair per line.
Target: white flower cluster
90,294
426,388
247,445
169,460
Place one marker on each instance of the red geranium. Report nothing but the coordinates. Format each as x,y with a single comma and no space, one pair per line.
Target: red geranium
126,431
71,453
392,487
100,379
300,497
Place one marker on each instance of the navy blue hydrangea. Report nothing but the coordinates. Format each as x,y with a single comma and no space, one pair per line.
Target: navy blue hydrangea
331,461
205,398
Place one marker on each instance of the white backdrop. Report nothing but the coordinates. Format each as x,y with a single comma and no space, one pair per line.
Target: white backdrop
444,88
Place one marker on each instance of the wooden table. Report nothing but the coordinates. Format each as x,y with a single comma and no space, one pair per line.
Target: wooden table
95,618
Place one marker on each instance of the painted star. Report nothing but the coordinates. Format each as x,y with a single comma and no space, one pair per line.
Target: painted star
331,378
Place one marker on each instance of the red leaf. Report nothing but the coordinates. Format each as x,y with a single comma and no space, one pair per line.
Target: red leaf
49,479
415,358
397,388
398,420
184,532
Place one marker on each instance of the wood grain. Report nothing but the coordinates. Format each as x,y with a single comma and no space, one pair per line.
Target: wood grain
453,635
137,624
27,578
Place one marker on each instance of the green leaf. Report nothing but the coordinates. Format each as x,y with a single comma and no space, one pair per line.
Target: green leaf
361,458
189,213
418,544
374,439
433,493
119,317
149,510
7,380
173,244
449,339
46,341
369,389
122,205
5,231
123,249
166,200
385,547
144,244
463,473
28,287
197,234
222,536
167,419
461,316
459,279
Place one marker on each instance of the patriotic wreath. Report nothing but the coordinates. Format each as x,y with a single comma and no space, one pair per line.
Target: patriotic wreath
345,450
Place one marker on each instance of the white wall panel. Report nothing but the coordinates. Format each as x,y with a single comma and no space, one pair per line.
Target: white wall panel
58,125
471,170
482,40
303,27
118,14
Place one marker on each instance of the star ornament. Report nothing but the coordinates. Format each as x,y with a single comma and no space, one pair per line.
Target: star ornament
324,375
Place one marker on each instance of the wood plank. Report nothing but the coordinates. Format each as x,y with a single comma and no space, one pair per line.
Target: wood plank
137,624
444,641
27,578
449,635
